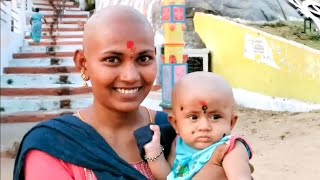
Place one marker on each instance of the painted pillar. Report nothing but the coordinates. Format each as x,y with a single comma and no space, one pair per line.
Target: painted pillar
174,64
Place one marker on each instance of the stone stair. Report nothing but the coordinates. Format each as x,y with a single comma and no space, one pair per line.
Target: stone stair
41,81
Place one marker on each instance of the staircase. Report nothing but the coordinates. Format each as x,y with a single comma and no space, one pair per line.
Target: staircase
41,82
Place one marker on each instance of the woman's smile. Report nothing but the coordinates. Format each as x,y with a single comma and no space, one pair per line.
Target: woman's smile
128,91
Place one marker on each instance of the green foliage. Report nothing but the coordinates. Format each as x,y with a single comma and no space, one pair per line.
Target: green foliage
293,31
90,5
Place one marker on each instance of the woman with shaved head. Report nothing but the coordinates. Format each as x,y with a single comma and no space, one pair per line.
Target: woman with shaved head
98,142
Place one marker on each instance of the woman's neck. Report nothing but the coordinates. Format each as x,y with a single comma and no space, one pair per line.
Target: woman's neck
111,120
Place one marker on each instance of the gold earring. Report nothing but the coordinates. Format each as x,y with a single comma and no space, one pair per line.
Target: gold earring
85,78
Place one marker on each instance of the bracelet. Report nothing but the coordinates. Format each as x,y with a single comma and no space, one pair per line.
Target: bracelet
154,158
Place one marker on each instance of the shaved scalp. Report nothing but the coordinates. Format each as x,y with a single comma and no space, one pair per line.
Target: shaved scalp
201,82
111,18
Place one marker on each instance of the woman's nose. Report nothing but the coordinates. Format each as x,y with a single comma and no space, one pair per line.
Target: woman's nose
130,73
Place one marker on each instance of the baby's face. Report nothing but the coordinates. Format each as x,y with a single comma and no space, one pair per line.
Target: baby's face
203,119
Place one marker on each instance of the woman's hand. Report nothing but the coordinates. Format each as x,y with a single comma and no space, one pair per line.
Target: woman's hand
214,168
153,148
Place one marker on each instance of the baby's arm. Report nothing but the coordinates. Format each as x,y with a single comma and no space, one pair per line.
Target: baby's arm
235,163
159,167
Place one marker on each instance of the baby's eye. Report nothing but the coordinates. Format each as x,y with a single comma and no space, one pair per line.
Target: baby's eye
144,59
193,117
215,117
112,60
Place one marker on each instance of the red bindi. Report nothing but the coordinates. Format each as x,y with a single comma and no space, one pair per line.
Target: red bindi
130,46
204,106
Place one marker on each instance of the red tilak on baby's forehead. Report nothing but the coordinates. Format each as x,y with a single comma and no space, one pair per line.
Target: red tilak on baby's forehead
203,103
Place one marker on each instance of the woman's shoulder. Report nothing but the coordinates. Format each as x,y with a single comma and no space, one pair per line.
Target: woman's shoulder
52,128
161,118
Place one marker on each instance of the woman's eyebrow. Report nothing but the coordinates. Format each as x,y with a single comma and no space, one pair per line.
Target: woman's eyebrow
113,52
146,51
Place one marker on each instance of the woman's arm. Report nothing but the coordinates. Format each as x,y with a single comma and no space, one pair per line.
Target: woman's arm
235,163
40,165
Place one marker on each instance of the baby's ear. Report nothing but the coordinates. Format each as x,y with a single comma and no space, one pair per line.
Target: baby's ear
173,122
233,122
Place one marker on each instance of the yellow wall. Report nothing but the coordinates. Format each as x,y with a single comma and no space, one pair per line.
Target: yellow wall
257,61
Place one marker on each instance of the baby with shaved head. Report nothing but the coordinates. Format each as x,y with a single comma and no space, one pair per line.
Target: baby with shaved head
203,115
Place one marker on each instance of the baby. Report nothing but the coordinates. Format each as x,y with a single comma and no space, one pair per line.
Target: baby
203,115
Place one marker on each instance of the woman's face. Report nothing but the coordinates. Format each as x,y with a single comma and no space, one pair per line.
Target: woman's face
121,65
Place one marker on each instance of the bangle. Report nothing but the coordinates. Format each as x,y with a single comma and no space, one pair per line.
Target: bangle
154,158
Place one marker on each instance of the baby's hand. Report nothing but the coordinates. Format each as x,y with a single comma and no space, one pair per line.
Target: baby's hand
153,148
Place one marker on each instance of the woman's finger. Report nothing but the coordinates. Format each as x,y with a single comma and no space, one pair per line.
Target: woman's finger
156,133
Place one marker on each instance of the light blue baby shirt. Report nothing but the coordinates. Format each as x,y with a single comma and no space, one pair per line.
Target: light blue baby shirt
190,161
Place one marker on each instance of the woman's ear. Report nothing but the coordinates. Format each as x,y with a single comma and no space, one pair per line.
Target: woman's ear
173,122
79,60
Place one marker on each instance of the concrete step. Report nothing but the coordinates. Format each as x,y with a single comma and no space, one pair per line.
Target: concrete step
11,105
58,37
44,49
58,33
54,2
61,29
62,41
56,91
71,20
50,44
65,22
40,1
50,8
41,62
40,70
67,12
56,80
60,25
44,5
66,16
42,55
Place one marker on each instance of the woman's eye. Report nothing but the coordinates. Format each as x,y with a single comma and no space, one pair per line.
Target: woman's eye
193,117
112,60
144,59
215,117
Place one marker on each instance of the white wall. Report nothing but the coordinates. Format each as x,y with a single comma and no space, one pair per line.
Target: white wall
11,41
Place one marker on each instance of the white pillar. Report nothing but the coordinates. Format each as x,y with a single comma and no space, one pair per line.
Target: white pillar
29,5
23,10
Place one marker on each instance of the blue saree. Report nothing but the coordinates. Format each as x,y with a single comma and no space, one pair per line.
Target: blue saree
36,30
73,141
